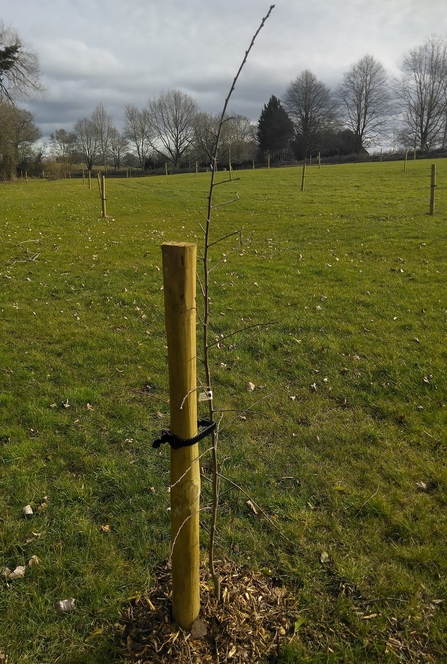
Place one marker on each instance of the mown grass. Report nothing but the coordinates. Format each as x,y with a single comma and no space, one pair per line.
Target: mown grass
342,441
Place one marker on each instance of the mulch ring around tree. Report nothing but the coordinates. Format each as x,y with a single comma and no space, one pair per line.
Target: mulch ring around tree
253,619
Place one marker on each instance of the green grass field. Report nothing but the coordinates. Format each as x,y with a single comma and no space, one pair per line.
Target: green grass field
342,443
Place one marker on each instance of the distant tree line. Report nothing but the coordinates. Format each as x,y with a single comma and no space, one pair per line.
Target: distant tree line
365,109
169,130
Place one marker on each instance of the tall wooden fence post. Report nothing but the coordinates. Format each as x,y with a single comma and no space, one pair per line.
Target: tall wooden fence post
179,278
432,188
103,194
303,177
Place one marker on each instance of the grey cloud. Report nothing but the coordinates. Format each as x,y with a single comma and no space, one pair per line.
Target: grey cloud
118,53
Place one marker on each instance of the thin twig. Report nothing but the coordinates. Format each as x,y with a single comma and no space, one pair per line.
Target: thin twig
367,501
247,495
196,460
266,396
218,205
201,509
194,389
226,181
225,237
242,329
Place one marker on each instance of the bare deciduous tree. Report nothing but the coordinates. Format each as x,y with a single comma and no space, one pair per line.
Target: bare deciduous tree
17,134
86,141
364,99
311,107
138,130
63,144
118,146
172,118
423,90
206,127
103,126
19,67
239,139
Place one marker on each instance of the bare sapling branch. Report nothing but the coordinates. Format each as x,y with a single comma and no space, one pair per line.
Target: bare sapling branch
206,313
266,516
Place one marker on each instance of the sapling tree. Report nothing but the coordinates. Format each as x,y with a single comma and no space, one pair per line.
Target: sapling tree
205,288
180,398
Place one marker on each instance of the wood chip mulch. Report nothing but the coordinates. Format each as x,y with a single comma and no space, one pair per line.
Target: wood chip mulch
253,619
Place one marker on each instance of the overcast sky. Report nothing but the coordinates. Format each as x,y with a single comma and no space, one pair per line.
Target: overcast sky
127,51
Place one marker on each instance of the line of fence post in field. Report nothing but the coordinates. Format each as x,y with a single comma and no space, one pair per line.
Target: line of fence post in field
102,192
303,177
432,189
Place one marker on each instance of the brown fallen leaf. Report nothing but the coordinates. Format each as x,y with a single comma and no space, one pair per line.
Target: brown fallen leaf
18,573
252,507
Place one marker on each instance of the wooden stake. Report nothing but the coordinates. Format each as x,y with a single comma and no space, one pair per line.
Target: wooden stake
268,160
303,178
179,278
103,194
405,160
432,189
319,160
166,167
